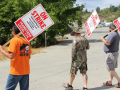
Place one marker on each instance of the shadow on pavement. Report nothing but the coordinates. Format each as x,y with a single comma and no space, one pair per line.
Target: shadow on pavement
101,31
94,40
72,89
96,88
83,32
67,42
101,88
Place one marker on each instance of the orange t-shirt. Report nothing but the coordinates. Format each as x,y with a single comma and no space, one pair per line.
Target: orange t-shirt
20,64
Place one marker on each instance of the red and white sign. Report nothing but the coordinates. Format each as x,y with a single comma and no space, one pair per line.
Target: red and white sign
92,22
117,23
34,22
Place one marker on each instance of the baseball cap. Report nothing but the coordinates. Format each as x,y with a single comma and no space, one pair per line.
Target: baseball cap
112,26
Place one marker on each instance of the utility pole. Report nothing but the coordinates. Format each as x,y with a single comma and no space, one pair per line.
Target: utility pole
45,40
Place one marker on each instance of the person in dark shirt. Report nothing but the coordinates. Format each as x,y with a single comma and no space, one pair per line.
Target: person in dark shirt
111,48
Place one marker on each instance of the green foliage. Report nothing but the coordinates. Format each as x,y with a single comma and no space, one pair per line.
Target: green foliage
62,13
86,11
5,20
98,9
85,17
105,13
10,11
113,8
108,14
118,12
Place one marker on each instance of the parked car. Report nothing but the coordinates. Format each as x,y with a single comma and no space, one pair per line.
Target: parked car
102,24
108,24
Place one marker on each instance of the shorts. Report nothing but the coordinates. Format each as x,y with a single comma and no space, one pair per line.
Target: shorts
81,65
111,60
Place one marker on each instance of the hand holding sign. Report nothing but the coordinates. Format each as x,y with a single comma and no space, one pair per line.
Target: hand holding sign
110,32
117,24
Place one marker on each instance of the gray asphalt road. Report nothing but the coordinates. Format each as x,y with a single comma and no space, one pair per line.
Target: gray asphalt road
50,68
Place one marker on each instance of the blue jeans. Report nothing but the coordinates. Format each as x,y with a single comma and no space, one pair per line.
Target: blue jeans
13,80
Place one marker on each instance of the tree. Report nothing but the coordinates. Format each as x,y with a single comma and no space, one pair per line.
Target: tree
98,9
62,13
118,13
86,11
5,20
113,8
105,12
10,11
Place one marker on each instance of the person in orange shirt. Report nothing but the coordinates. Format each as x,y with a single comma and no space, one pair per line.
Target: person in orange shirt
19,52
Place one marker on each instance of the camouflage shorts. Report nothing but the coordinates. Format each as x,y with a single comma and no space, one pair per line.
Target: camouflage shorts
82,66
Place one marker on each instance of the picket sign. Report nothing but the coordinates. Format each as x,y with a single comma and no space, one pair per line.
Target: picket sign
33,23
117,24
91,23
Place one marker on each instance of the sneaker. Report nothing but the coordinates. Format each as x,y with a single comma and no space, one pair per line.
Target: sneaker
68,86
118,86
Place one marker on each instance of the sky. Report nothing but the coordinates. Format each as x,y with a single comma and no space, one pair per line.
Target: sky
93,4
